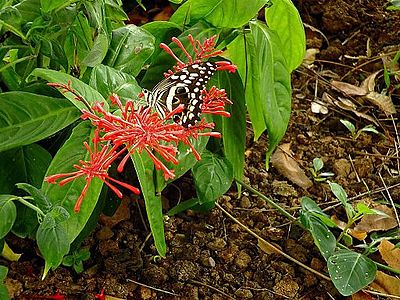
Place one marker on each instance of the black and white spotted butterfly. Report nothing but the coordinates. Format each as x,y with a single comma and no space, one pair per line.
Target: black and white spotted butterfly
183,87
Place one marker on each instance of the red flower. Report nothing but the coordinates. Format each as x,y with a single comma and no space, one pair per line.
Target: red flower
202,51
97,166
214,102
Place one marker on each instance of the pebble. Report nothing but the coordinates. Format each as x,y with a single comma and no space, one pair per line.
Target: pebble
245,202
242,260
216,244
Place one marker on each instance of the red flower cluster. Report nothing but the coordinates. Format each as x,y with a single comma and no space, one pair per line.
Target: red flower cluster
141,129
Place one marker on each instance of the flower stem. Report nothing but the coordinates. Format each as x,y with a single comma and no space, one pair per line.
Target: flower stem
30,205
270,201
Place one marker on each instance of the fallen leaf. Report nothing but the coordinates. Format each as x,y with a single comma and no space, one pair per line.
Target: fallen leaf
383,102
369,83
349,89
266,247
390,254
361,295
121,214
319,108
9,254
377,222
359,235
287,166
386,284
309,57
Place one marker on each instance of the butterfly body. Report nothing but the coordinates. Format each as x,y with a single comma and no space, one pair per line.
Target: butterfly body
183,87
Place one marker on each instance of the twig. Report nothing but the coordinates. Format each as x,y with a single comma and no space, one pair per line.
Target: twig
381,294
391,200
271,246
396,144
270,201
153,288
354,168
211,287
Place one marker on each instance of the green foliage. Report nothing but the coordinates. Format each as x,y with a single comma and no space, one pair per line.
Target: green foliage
76,259
3,289
356,133
318,176
86,45
394,5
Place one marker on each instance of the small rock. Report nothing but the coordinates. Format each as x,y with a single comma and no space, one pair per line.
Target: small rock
184,270
146,293
283,188
245,202
243,294
242,260
155,274
216,244
364,167
317,264
227,255
342,167
287,287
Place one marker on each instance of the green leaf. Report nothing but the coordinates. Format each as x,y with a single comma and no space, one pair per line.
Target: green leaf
162,31
98,52
267,81
27,118
350,271
318,164
78,267
212,176
29,9
23,164
283,17
130,48
40,199
108,81
370,128
49,5
8,213
219,13
3,274
309,206
84,90
145,170
26,222
233,128
350,126
68,155
181,207
339,192
11,19
323,237
52,240
4,292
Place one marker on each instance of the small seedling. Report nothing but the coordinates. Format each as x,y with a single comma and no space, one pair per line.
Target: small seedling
76,259
356,133
318,176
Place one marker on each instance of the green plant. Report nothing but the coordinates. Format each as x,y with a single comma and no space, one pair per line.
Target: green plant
393,5
344,264
356,133
86,51
318,176
76,259
3,289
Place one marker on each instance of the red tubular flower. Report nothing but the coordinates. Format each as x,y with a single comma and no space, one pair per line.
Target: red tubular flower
202,52
97,166
101,296
214,102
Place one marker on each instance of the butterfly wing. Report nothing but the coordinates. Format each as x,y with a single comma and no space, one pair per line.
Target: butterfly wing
184,87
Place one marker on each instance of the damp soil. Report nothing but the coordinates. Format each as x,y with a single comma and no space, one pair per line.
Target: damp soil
210,256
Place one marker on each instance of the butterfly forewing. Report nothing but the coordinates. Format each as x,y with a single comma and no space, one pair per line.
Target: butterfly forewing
184,87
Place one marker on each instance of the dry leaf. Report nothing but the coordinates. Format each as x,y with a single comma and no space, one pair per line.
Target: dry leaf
369,83
121,214
288,167
390,254
359,235
361,295
383,102
386,284
309,57
349,89
318,107
370,223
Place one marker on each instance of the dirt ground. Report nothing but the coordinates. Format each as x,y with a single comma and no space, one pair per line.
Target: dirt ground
209,256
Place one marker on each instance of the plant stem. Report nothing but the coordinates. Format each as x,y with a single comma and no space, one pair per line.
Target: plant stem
270,201
31,206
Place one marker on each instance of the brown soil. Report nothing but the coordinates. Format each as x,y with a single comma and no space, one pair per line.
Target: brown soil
209,256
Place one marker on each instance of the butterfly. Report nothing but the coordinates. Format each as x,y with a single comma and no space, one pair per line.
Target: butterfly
183,87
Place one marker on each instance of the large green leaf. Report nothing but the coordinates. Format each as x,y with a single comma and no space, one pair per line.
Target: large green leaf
130,48
26,118
49,5
52,239
233,128
23,164
350,271
219,13
29,9
212,176
108,81
84,90
267,81
11,19
68,155
145,171
283,17
8,213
